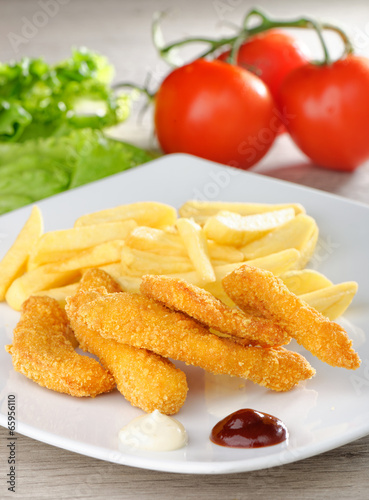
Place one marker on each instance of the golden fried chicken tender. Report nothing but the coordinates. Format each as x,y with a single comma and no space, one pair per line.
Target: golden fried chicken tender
95,278
258,291
41,351
141,322
179,295
147,380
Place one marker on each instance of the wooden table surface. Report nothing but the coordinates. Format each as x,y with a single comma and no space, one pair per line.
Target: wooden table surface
121,31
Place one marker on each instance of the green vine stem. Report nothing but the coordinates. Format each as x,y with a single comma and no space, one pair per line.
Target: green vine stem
266,23
142,90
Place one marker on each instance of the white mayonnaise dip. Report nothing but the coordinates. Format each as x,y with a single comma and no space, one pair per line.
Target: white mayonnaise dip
153,432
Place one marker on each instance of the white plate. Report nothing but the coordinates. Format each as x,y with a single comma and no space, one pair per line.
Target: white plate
326,412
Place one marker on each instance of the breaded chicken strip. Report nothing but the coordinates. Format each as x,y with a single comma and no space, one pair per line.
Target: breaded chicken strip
181,296
95,278
142,322
258,291
41,351
147,380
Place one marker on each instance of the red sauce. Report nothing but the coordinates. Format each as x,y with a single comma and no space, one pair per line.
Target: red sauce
249,429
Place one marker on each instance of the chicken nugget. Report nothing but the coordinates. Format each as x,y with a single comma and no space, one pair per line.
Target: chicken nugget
147,380
258,291
200,304
141,322
41,351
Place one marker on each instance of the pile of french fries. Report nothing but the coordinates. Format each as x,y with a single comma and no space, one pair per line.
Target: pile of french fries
201,244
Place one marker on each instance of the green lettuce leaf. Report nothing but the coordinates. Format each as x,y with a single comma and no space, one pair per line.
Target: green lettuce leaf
39,168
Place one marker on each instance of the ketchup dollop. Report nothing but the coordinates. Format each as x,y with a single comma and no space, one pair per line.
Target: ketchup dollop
249,429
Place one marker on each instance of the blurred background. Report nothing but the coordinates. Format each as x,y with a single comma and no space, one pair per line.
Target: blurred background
121,30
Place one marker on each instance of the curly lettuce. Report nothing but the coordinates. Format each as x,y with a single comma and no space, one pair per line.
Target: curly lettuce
42,100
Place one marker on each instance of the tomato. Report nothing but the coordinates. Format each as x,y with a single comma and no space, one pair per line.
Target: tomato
217,111
271,55
328,110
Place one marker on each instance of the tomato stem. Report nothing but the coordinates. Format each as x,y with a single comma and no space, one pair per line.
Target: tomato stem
233,55
265,23
143,90
348,46
319,31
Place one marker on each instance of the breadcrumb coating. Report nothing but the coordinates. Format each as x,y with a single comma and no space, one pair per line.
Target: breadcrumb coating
147,380
42,352
180,295
258,291
141,322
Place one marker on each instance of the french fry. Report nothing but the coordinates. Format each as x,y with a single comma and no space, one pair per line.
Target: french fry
278,262
37,260
41,278
304,281
224,253
196,245
145,213
127,283
156,241
219,263
200,211
307,250
228,228
94,256
60,293
274,263
295,233
168,242
137,263
15,260
50,244
193,277
332,301
105,253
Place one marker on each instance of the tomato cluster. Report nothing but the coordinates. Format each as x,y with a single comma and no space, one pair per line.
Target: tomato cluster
232,113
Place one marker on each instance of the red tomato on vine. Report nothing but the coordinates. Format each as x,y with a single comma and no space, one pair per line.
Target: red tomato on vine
216,111
271,55
329,106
